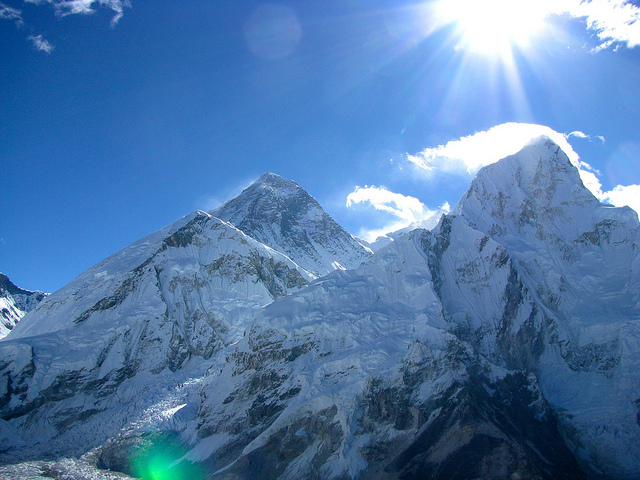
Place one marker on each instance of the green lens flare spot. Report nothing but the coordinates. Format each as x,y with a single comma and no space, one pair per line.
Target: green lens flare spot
158,457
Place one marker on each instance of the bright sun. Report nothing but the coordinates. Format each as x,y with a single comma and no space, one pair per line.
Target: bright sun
494,26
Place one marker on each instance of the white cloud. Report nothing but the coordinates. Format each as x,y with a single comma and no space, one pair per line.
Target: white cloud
614,21
624,195
70,7
620,196
469,154
401,206
41,43
406,210
578,134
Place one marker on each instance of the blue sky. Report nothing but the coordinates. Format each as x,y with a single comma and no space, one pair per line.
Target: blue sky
117,118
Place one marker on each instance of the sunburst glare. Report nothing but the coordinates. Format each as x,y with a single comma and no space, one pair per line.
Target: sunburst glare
494,27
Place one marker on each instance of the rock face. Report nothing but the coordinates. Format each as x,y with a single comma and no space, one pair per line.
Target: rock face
504,343
282,215
15,303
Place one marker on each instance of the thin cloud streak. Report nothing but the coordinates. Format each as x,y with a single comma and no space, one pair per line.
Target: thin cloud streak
40,43
9,13
85,7
579,134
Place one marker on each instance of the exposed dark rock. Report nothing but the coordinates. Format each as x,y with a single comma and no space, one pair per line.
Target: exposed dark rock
500,431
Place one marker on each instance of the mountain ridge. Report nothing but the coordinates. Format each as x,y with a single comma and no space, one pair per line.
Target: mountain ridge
503,343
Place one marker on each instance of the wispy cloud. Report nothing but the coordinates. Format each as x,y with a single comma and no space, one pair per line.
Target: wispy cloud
70,7
62,8
405,210
579,134
9,13
40,43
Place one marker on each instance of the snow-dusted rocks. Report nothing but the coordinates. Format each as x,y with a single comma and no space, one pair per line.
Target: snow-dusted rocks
15,302
282,215
193,270
581,257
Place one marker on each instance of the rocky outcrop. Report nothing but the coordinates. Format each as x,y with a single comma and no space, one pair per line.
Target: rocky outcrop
15,303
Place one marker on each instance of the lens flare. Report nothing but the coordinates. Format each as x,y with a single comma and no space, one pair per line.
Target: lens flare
160,458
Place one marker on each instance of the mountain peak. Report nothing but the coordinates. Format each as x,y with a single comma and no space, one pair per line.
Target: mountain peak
275,182
271,177
282,215
537,186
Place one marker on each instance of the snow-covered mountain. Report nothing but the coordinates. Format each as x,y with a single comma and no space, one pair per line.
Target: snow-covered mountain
581,262
15,302
504,343
97,353
282,215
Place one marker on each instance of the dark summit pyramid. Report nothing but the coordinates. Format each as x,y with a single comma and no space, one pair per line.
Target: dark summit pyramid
282,215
